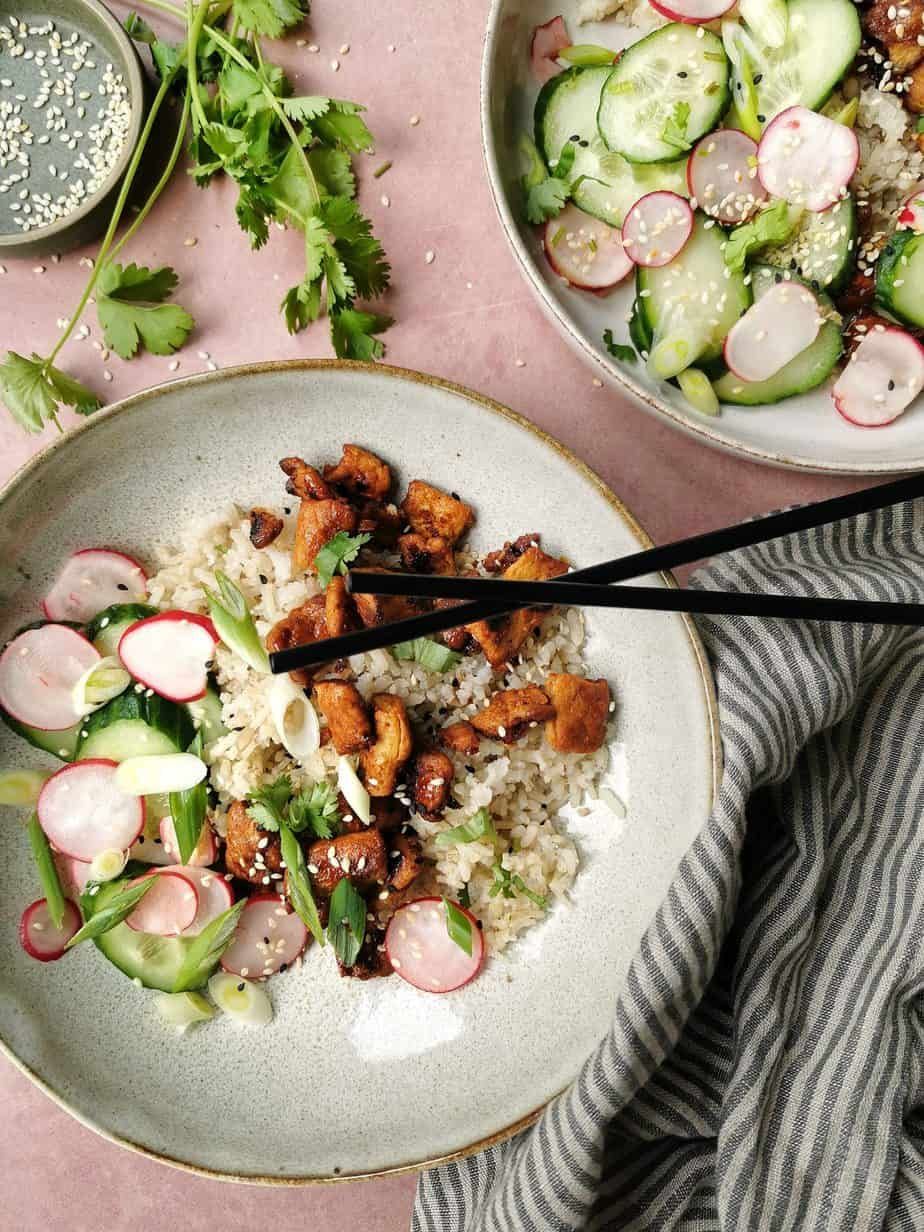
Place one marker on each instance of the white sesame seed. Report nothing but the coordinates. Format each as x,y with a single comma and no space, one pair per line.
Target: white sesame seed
414,121
429,256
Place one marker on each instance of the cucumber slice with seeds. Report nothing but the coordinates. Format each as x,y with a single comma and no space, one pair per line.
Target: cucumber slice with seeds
135,725
106,628
666,92
823,249
900,278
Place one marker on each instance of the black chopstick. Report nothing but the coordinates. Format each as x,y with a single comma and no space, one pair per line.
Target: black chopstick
638,564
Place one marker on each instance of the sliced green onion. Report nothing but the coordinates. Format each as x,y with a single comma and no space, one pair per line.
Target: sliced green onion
164,772
182,1009
380,171
346,929
587,54
234,623
299,886
107,865
188,809
697,389
432,656
116,910
241,999
847,115
477,827
459,926
205,949
294,718
20,788
48,874
919,127
744,91
100,684
353,791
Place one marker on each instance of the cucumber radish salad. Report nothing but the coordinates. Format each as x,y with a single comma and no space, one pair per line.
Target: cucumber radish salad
202,822
758,170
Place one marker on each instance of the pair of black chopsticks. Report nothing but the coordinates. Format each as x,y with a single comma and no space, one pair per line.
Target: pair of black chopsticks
485,598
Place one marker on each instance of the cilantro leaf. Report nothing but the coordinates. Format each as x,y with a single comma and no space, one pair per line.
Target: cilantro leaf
546,194
342,125
354,334
356,246
253,211
619,350
268,804
333,171
337,554
771,226
478,826
269,17
675,129
302,305
33,391
547,200
315,809
305,107
132,313
432,656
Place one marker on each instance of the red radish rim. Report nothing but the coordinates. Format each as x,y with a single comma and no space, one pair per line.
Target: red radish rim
266,896
57,625
136,564
167,871
70,926
666,11
689,218
837,399
174,616
476,931
856,423
72,768
594,288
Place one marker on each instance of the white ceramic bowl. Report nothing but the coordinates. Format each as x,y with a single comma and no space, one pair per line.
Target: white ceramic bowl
351,1078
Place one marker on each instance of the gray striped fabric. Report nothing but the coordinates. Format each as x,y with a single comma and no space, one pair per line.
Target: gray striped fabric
765,1067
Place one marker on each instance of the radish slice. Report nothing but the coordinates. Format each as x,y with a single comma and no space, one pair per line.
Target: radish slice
773,331
215,895
548,42
168,907
74,875
164,772
169,653
422,952
92,580
269,937
40,937
693,12
38,671
585,251
657,228
883,378
84,812
912,212
807,159
206,852
722,176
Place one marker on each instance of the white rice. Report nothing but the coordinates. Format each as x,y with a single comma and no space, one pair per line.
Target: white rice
524,785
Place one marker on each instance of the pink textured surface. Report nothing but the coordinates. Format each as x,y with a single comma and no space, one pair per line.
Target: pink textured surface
468,316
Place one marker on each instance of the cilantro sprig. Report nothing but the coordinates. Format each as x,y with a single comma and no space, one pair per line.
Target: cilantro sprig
277,806
337,555
547,191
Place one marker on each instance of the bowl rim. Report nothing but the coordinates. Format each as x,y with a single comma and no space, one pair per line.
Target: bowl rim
493,407
650,403
131,66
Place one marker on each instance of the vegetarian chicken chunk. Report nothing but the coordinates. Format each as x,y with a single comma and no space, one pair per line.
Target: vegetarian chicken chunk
513,549
362,857
405,860
422,555
501,639
339,611
510,713
388,813
461,738
251,853
304,624
265,527
432,513
360,474
383,609
318,522
342,705
383,761
431,782
304,481
383,522
371,961
582,708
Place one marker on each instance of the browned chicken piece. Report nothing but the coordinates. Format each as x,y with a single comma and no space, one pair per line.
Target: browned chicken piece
905,56
339,611
430,778
458,639
251,853
513,549
383,522
858,295
405,860
304,624
422,555
582,708
342,705
304,480
433,513
501,639
509,713
318,522
265,527
461,738
360,473
371,961
383,609
394,742
363,857
914,95
388,813
894,21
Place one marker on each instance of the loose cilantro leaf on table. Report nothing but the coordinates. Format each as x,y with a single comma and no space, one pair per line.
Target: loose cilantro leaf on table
130,304
34,391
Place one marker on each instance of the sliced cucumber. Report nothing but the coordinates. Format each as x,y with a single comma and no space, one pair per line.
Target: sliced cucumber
206,715
135,725
155,961
802,374
822,42
666,92
606,185
900,277
62,744
823,249
106,628
687,328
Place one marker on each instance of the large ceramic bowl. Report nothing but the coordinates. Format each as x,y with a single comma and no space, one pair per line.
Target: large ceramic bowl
804,432
352,1078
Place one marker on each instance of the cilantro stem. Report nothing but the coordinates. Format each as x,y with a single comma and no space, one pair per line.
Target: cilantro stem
195,21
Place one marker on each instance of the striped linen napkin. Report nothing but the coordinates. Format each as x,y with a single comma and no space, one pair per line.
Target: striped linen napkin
765,1067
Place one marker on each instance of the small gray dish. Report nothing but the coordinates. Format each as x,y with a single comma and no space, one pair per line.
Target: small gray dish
92,22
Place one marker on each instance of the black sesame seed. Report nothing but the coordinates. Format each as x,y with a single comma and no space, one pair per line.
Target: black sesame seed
266,940
241,987
762,119
283,966
891,386
792,264
286,509
682,73
758,78
263,579
777,277
121,586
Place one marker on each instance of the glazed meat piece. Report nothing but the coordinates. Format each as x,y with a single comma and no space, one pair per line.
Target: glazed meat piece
422,555
362,857
431,782
510,712
304,624
383,522
501,639
383,609
371,961
894,21
251,853
432,513
859,327
265,527
914,95
342,705
318,522
360,474
339,611
388,813
858,295
461,738
304,481
582,708
497,562
405,860
384,760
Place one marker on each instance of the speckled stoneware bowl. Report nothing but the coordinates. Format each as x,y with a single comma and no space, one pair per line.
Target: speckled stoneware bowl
93,23
805,433
352,1078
